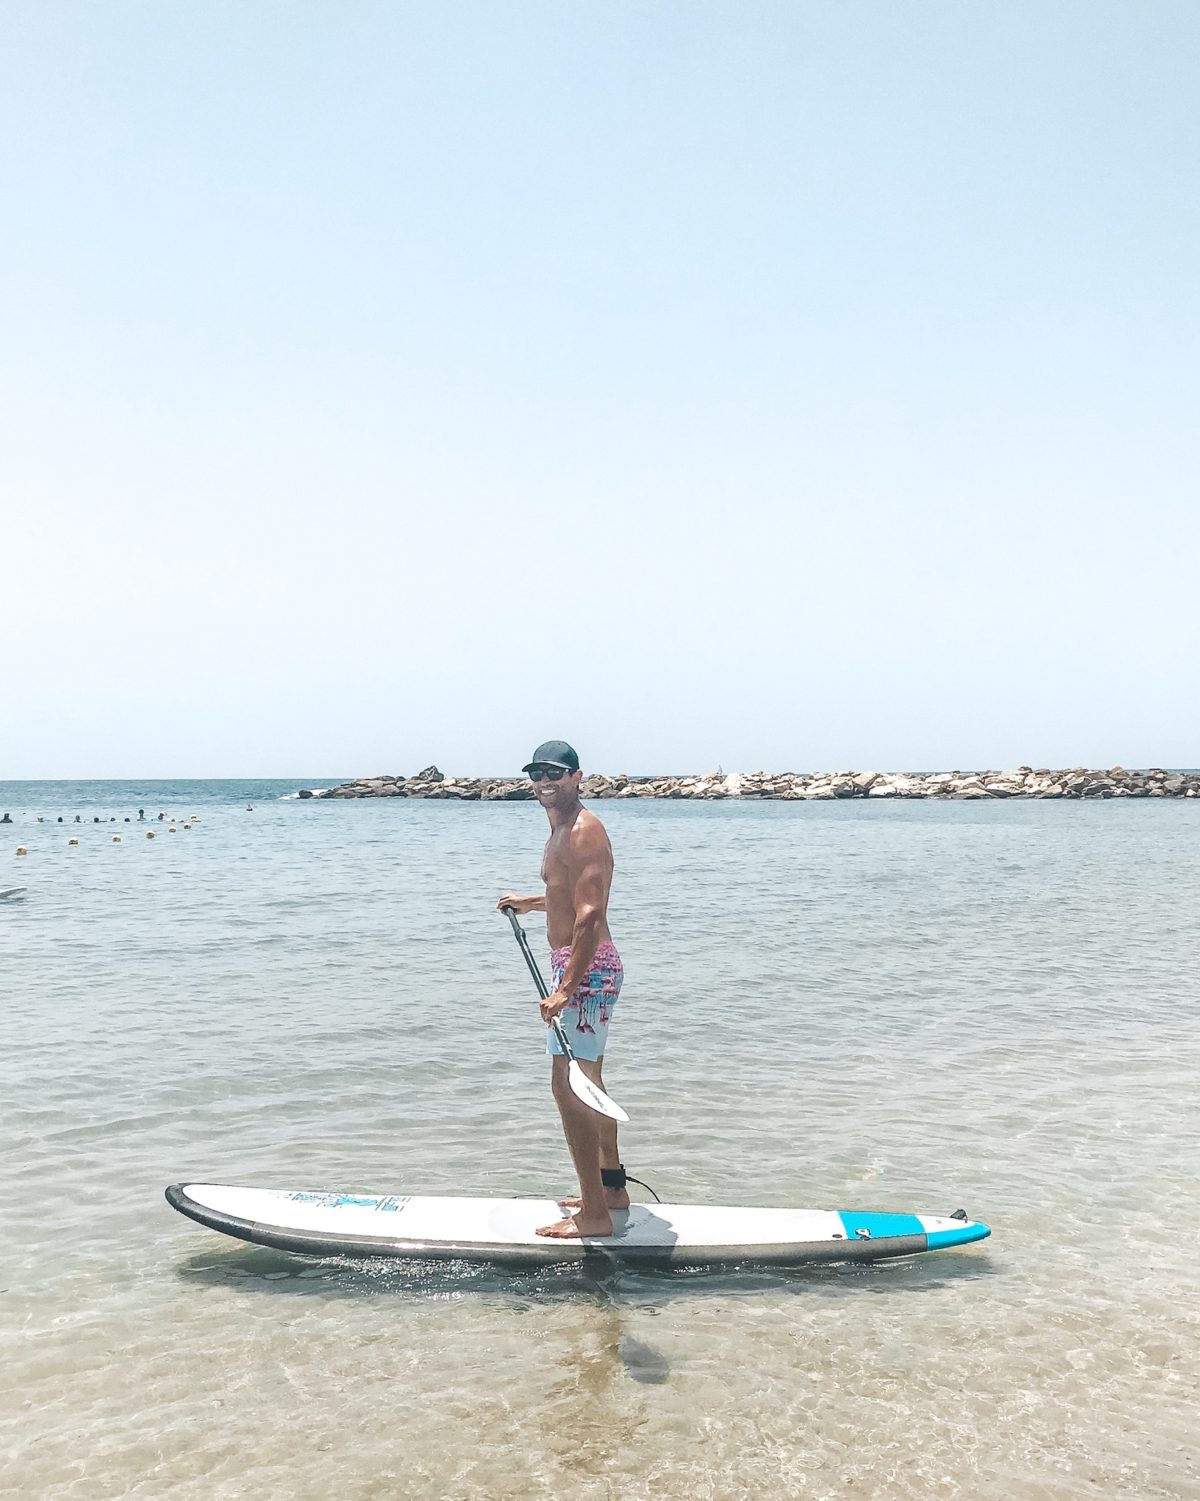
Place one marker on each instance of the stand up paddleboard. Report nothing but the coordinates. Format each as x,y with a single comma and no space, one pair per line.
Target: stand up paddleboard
12,893
503,1230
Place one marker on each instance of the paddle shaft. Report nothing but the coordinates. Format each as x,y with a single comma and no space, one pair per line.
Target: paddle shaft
542,988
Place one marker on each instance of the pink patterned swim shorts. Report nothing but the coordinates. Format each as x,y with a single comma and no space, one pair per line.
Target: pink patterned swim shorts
586,1015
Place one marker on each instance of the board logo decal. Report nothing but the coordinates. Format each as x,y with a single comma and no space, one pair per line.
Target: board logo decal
389,1204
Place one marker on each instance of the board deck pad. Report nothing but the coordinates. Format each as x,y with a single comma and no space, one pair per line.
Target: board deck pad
320,1223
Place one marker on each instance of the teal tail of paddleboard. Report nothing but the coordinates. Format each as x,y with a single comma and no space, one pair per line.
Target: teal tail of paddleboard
937,1232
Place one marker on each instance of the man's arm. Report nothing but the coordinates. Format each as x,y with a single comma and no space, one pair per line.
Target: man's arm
590,897
521,904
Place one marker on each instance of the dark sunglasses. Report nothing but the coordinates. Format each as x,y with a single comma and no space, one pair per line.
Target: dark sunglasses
553,773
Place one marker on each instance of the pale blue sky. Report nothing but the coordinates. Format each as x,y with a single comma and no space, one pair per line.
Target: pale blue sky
773,385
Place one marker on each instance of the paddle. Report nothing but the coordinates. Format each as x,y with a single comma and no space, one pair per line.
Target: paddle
583,1087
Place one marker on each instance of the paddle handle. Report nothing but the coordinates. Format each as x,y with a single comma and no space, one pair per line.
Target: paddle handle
523,940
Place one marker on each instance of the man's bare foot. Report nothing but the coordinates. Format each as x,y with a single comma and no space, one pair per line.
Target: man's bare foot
615,1198
578,1225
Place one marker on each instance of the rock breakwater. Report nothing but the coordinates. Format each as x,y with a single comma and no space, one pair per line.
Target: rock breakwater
1025,781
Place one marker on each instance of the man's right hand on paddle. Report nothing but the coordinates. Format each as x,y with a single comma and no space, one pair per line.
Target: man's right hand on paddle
522,905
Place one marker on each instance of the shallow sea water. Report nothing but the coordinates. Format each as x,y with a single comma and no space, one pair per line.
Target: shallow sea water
891,1006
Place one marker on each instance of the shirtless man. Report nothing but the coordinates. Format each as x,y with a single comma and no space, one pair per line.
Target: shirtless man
577,868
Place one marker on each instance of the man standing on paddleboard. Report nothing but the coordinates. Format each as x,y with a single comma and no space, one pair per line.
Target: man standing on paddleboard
577,868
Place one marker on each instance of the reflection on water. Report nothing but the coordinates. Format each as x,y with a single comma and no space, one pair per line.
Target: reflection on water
259,1269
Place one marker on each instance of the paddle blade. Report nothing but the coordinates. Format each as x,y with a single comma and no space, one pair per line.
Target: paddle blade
592,1095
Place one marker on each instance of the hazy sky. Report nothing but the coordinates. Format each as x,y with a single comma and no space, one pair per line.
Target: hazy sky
784,385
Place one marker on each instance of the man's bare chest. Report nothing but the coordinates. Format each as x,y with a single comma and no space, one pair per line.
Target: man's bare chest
556,865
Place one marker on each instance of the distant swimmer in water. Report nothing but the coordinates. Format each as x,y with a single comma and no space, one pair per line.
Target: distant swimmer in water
78,819
6,819
249,807
141,815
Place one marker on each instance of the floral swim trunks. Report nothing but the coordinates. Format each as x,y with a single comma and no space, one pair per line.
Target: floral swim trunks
586,1015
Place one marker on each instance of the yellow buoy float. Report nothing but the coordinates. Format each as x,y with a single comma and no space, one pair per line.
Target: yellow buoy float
21,850
72,840
116,838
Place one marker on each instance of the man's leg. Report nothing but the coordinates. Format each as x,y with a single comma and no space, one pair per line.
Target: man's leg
610,1157
582,1128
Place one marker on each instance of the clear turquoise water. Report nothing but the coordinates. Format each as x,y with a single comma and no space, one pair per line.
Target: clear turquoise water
895,1006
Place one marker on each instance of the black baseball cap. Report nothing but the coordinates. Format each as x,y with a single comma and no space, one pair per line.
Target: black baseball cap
553,753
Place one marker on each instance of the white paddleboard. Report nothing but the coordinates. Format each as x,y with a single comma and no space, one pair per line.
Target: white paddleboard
11,893
503,1230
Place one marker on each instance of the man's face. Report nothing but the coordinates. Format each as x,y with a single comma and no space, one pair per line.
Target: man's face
553,787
